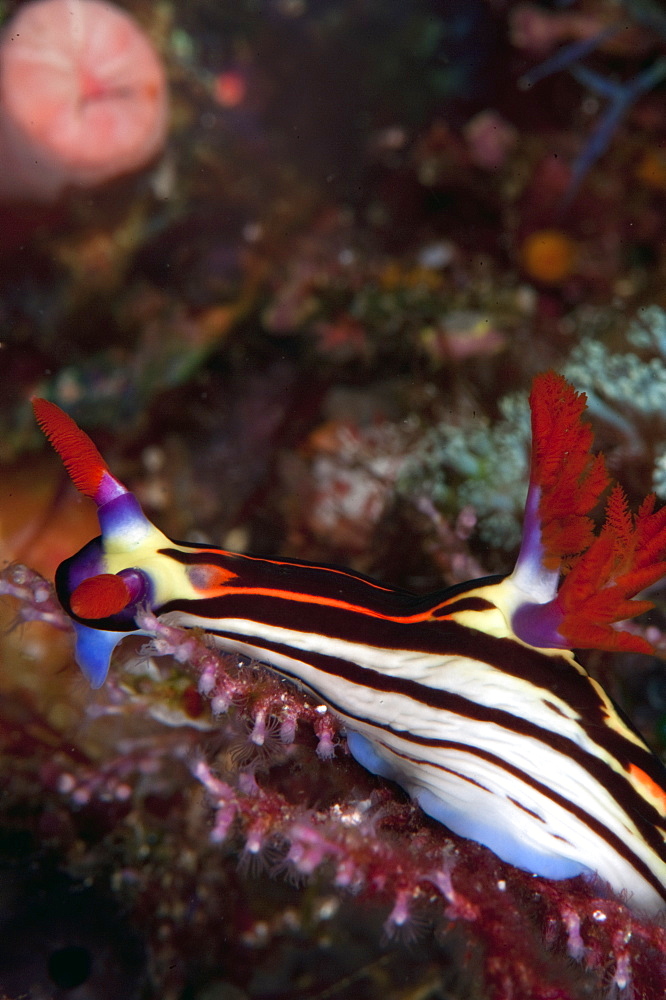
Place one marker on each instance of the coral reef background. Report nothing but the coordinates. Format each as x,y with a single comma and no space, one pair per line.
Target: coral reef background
308,328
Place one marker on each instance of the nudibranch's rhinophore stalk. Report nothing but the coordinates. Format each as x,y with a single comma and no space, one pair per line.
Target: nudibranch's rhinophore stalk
471,698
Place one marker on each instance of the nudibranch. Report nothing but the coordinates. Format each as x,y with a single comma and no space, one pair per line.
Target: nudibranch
471,698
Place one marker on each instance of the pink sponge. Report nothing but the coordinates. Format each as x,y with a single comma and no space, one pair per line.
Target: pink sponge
83,98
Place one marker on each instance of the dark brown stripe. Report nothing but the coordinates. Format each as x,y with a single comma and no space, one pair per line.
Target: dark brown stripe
637,808
519,805
464,604
554,674
330,582
615,842
311,579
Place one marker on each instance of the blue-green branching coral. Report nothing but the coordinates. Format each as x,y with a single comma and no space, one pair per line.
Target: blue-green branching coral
627,390
480,465
485,465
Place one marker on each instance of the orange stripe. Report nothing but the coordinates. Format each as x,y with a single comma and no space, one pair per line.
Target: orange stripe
330,602
648,787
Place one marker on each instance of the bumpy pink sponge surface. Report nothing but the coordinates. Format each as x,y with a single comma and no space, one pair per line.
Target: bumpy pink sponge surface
83,98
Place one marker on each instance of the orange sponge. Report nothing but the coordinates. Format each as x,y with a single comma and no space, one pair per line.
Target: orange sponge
549,256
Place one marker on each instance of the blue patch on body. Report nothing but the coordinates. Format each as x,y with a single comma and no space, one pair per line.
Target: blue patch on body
93,651
503,842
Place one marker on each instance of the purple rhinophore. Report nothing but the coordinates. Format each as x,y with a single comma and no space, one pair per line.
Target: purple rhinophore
122,517
530,575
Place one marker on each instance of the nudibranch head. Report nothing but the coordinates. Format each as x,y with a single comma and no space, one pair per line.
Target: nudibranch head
102,584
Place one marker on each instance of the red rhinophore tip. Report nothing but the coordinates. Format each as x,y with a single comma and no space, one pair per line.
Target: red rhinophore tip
100,596
80,457
571,479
